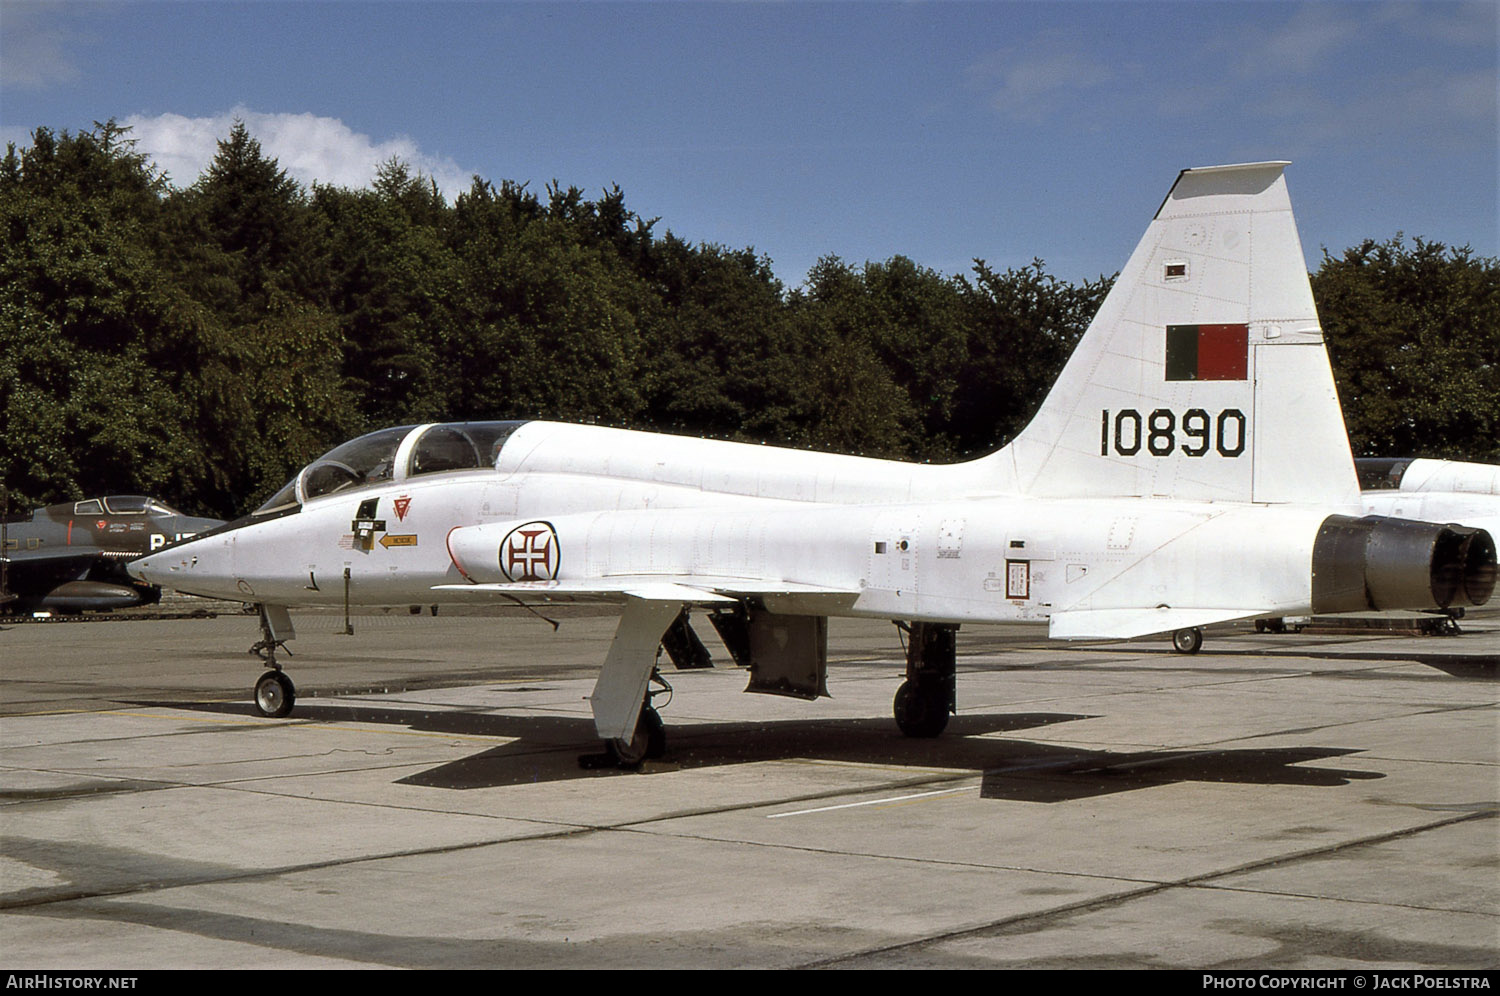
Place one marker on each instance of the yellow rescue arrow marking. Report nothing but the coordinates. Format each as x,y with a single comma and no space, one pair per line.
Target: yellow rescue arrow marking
403,539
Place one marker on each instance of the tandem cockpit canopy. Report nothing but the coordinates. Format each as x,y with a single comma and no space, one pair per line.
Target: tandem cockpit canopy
398,453
123,505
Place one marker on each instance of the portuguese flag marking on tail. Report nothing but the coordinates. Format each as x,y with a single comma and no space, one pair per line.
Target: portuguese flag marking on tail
1208,352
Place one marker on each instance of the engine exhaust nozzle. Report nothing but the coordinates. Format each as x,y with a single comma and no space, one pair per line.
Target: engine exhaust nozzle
1377,562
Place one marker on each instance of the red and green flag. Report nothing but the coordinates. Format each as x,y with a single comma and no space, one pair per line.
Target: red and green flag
1208,352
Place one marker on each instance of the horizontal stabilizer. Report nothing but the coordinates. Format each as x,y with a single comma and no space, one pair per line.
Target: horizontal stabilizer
1122,624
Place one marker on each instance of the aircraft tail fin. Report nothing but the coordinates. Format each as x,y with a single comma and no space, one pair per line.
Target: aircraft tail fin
1204,374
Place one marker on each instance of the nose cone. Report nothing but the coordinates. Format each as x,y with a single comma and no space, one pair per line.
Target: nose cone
177,551
149,568
201,566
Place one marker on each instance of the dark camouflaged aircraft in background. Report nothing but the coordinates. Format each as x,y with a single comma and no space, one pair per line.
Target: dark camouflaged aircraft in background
71,557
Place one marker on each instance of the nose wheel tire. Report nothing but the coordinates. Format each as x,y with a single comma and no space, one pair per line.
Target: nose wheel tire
274,695
1187,641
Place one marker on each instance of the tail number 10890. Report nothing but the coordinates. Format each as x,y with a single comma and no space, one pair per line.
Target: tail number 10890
1163,432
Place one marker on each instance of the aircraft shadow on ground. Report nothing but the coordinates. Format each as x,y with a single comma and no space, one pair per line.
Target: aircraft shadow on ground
1471,667
546,749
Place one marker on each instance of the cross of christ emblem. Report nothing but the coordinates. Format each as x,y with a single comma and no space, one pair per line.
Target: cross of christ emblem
530,553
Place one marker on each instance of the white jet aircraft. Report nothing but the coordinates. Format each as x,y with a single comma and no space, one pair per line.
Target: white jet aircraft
1432,490
1189,467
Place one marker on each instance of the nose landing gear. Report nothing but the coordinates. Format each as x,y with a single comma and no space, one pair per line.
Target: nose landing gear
274,693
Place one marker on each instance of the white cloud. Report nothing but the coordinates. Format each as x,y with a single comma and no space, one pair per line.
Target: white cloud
1029,83
1323,75
34,46
1462,25
310,148
1305,43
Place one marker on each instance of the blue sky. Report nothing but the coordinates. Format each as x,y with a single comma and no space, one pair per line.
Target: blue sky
939,131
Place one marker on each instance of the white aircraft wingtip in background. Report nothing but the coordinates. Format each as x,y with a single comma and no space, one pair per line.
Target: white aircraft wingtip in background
1433,491
1190,466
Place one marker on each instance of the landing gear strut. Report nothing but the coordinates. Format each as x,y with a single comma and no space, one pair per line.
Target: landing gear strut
927,697
684,646
274,692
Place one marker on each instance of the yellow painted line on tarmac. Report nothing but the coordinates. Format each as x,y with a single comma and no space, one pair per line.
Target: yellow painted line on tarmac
293,723
905,769
472,738
227,721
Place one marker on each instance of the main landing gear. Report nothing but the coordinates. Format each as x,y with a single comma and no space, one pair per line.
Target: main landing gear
274,692
647,743
926,698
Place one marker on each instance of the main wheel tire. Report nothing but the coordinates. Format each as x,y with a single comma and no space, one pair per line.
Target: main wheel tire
275,695
648,741
918,712
1187,641
656,732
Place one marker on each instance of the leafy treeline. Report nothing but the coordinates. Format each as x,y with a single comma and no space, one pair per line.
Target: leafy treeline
202,343
1414,335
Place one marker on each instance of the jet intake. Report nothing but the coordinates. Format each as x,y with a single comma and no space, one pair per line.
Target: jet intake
1377,562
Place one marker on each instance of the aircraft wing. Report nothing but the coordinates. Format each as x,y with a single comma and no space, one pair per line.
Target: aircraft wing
30,568
689,589
53,556
71,580
1122,624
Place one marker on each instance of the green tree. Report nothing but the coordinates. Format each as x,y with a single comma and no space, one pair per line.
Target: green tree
247,211
921,337
852,399
393,278
274,395
258,359
86,310
718,357
550,317
1023,325
1413,331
